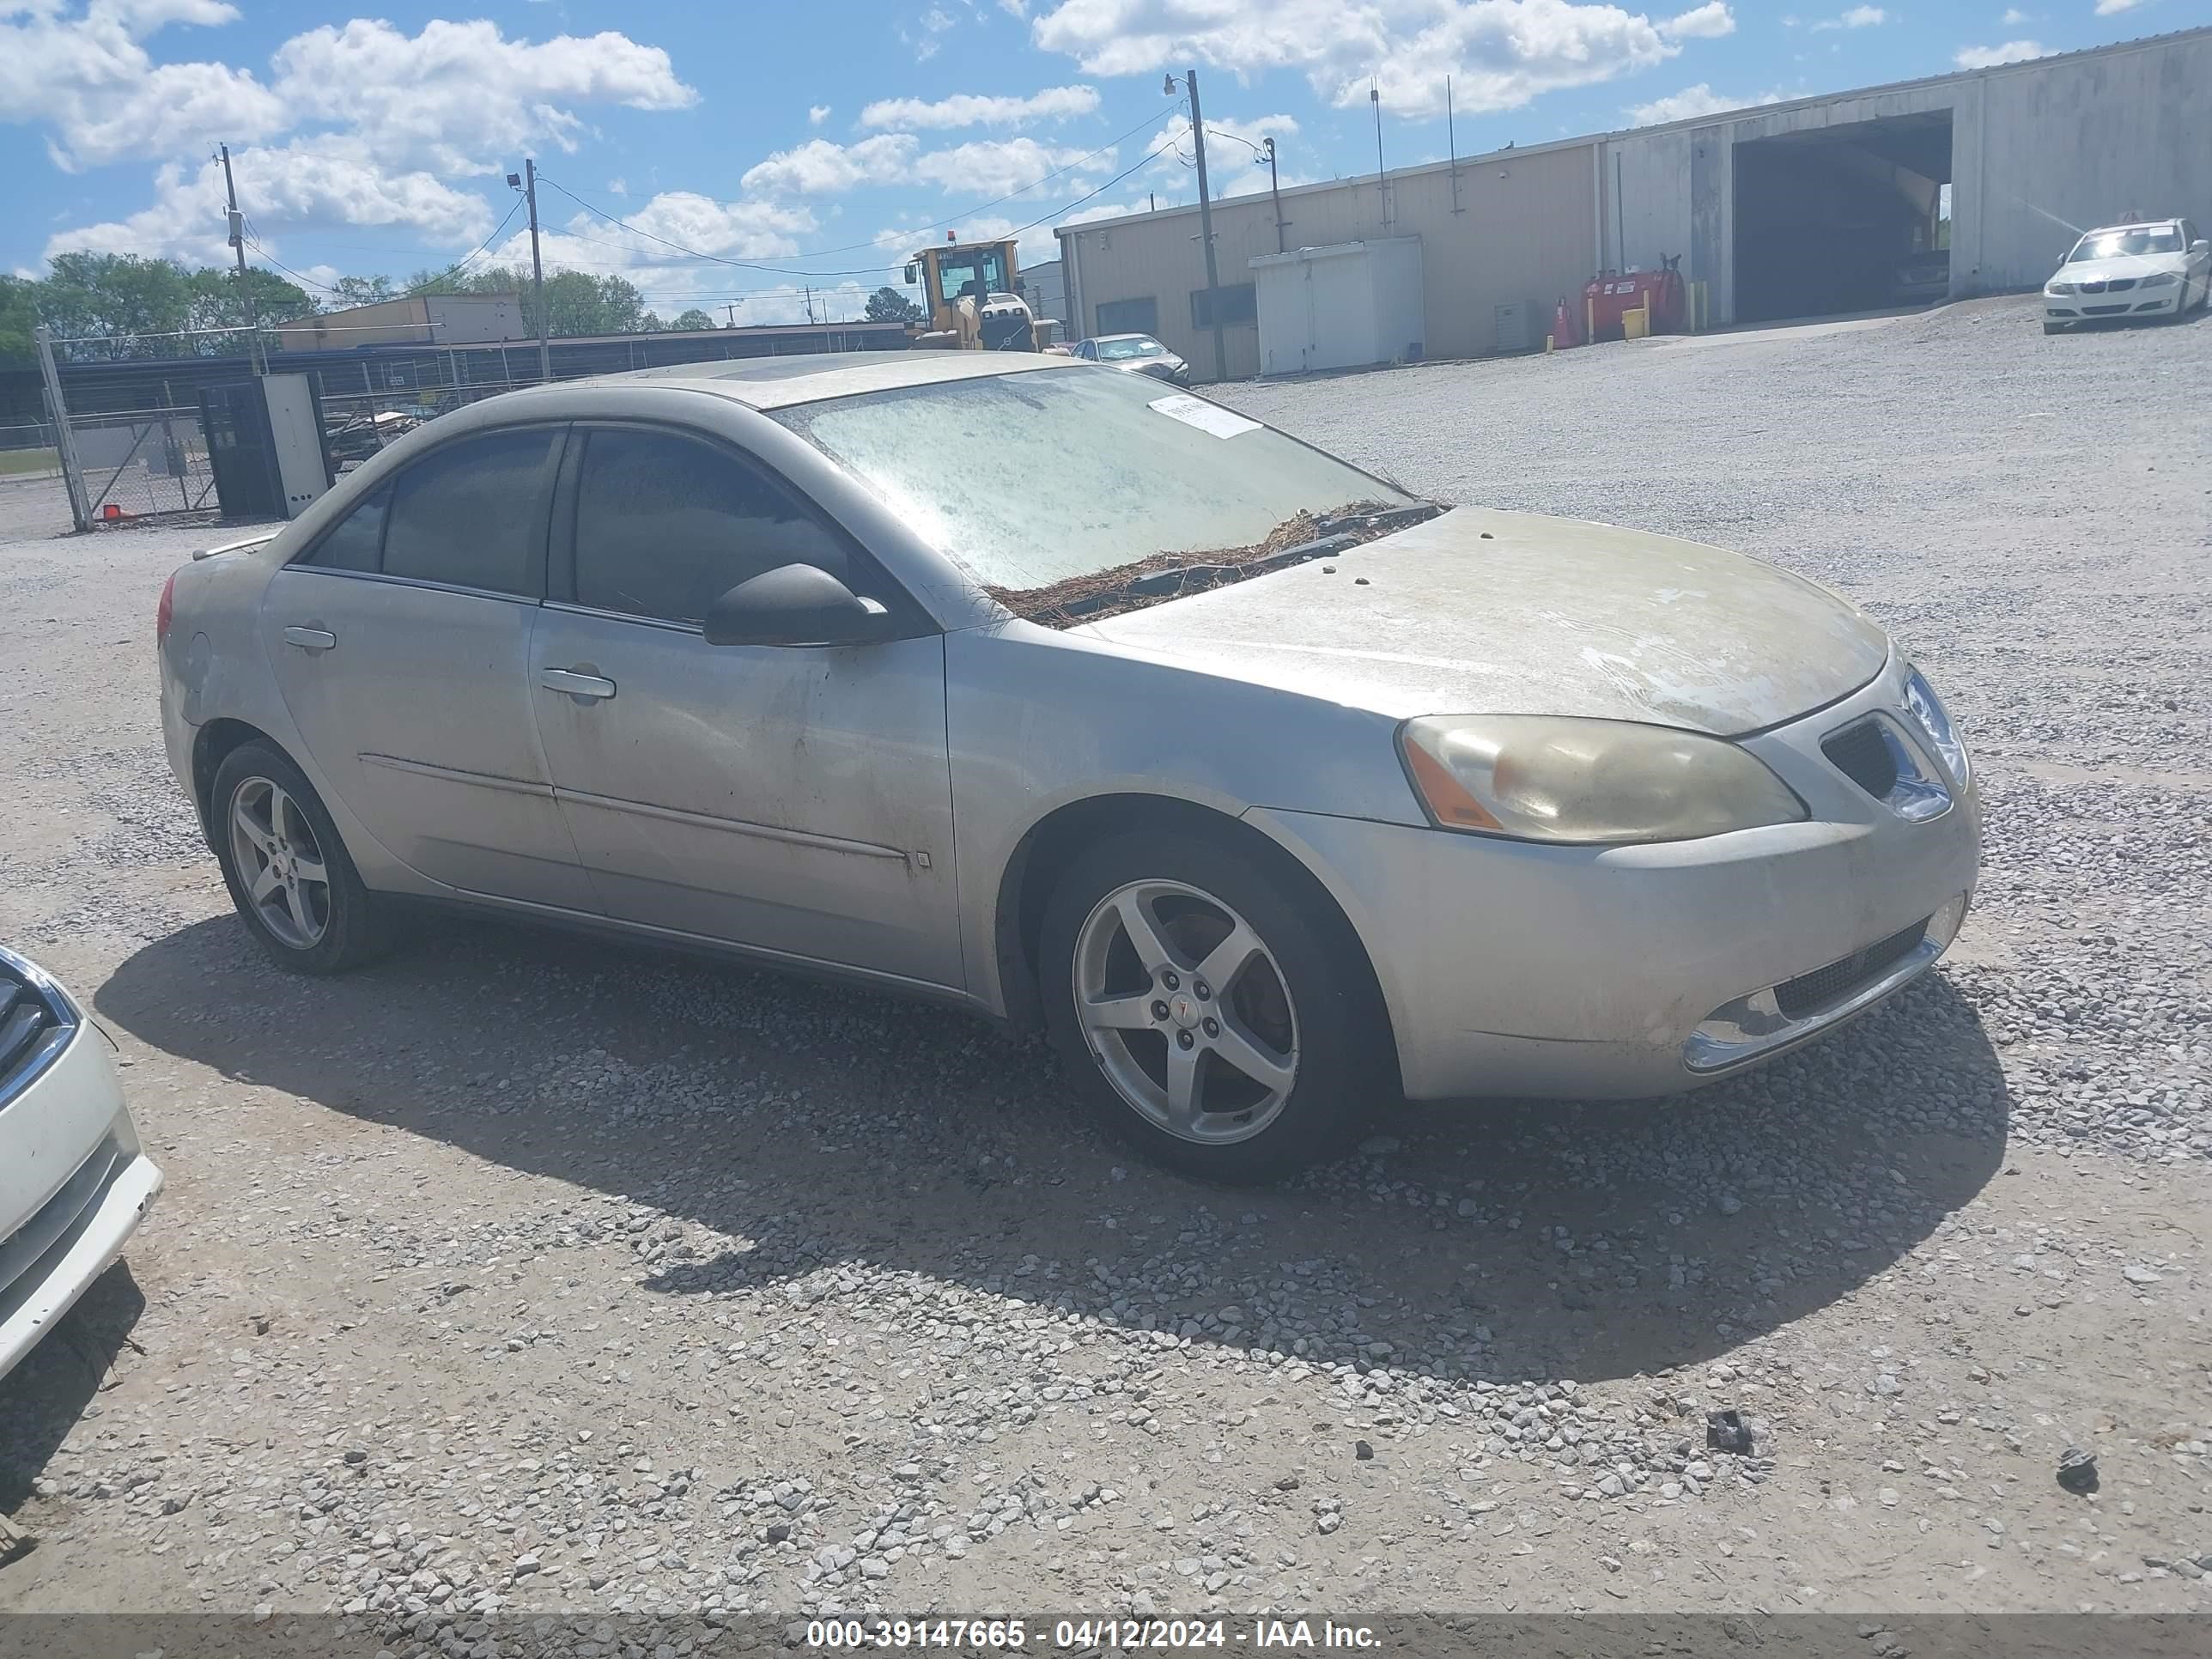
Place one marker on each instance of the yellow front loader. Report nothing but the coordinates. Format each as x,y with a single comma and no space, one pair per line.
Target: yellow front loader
969,288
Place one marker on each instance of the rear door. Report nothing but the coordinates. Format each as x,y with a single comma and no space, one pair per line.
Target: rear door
401,643
794,800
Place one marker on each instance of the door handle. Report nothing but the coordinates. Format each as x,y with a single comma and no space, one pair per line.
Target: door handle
310,638
585,687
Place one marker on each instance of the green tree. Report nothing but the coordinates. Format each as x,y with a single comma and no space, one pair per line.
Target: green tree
216,301
363,290
888,305
693,319
117,305
19,315
576,302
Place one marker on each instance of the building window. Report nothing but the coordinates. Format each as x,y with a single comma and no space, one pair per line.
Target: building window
1238,305
1129,316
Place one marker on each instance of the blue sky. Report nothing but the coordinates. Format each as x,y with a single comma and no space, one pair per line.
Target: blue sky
751,151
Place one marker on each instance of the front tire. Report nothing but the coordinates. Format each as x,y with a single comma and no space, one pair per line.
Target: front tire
289,873
1207,1013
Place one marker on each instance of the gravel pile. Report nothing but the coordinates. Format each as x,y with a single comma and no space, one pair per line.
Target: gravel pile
523,1276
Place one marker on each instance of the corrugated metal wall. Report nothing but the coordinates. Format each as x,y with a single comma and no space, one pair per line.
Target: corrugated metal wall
2086,141
2037,149
1520,229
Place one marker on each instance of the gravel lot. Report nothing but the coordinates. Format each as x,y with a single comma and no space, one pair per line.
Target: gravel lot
519,1273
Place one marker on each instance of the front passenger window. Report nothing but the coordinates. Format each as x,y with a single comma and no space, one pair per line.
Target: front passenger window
468,516
356,541
667,524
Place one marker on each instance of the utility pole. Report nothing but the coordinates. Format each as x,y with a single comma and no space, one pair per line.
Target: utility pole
1451,145
64,439
537,268
732,309
1206,230
237,226
1275,189
1382,189
810,303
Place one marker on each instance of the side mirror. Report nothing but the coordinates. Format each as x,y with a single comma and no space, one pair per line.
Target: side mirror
2200,245
794,604
913,275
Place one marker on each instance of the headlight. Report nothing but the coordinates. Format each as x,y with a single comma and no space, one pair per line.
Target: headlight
1927,709
2059,289
1540,778
2162,279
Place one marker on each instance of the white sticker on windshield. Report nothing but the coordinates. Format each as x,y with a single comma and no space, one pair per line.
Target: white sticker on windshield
1206,416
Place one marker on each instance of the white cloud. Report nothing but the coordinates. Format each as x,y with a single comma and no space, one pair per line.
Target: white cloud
992,167
617,187
820,167
360,125
2107,8
1858,17
309,183
1692,102
817,114
1706,22
2012,51
462,96
90,80
2013,15
1499,53
968,109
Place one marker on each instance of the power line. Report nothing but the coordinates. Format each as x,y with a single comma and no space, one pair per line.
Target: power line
869,270
409,293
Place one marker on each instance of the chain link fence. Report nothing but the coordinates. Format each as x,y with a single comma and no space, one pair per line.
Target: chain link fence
28,452
141,462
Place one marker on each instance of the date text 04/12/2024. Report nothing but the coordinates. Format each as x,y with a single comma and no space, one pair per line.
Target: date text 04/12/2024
1082,1636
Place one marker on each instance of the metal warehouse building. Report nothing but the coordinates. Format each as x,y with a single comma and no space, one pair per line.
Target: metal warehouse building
1789,209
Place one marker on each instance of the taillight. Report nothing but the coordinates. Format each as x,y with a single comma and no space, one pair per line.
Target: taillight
164,611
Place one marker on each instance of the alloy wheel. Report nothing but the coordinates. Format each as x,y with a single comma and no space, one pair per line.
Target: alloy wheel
1186,1012
280,864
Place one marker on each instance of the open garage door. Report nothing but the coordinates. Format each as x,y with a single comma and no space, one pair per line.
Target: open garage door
1843,218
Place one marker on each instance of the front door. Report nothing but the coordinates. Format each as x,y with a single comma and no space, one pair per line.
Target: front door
401,641
797,800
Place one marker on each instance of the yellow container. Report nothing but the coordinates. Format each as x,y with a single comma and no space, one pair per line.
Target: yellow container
1635,324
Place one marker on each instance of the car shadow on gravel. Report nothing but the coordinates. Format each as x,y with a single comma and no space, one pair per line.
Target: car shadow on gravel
48,1394
792,1131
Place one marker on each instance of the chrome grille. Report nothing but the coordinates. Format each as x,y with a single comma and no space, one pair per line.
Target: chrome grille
2119,284
1809,994
1862,754
36,1022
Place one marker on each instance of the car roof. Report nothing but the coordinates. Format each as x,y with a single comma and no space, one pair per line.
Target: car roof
2141,224
778,382
1124,337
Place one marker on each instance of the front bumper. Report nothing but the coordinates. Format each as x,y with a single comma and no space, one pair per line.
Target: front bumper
1514,969
2134,301
75,1184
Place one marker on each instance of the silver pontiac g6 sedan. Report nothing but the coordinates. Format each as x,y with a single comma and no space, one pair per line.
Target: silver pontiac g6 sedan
1269,791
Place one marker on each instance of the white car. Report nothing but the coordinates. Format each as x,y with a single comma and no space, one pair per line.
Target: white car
2161,268
73,1181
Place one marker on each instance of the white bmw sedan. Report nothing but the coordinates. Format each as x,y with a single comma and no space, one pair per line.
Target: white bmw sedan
2159,269
73,1181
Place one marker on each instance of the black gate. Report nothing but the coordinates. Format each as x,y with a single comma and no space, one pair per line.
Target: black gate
241,450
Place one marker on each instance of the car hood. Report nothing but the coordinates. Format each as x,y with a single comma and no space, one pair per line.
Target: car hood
1478,611
2122,265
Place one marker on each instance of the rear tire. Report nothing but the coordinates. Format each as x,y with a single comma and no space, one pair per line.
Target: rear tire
1245,1081
289,872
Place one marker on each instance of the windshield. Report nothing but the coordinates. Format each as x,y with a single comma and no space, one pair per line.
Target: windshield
2114,244
1141,345
975,272
1032,479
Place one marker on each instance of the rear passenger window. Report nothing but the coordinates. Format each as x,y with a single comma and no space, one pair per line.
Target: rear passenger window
356,540
667,524
468,516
